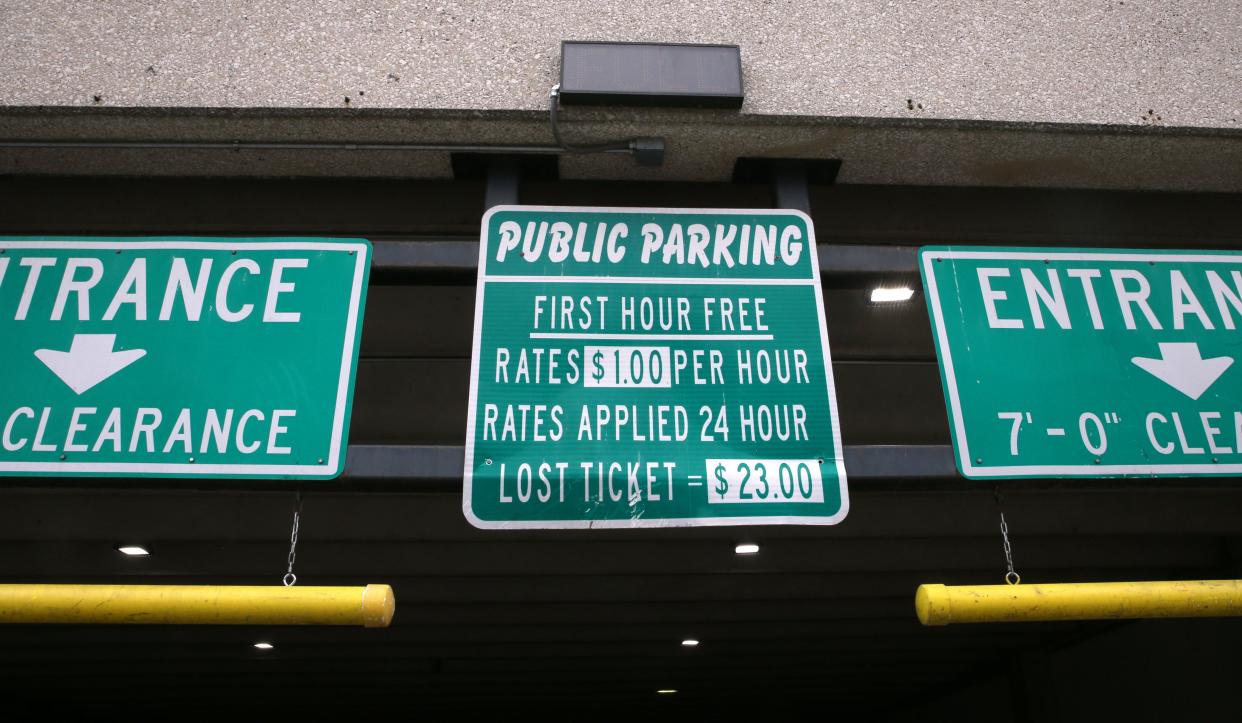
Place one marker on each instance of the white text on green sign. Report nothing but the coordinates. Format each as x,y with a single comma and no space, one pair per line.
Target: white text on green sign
638,367
1089,362
178,356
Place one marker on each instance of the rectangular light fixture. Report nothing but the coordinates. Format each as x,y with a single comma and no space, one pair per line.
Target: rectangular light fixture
651,74
133,550
746,548
888,295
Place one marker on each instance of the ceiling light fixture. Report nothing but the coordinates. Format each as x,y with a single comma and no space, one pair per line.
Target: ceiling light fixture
746,548
666,691
264,646
133,550
689,642
885,295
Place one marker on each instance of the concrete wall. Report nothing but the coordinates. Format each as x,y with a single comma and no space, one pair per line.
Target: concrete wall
1061,61
1112,94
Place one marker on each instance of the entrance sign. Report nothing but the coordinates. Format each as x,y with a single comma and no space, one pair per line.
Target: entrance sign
650,368
178,357
1089,363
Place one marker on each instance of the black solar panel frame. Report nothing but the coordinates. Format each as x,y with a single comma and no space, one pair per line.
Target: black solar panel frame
587,93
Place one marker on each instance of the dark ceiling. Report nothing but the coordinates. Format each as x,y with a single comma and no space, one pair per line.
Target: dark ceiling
579,625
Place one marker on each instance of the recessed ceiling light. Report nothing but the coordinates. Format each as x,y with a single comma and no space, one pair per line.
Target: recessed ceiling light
264,646
746,548
666,691
689,642
133,550
882,295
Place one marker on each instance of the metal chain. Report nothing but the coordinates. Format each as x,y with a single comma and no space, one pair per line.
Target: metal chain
290,579
1011,577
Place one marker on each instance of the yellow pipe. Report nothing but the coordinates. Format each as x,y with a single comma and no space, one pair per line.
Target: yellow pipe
941,605
371,606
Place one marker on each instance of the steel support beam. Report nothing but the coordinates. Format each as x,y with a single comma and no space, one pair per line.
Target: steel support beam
445,463
862,259
503,179
789,185
446,255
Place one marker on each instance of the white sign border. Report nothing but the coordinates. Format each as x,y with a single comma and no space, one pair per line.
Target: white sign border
928,255
635,523
332,467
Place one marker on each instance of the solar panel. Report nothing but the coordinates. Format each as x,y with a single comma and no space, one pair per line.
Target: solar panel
651,74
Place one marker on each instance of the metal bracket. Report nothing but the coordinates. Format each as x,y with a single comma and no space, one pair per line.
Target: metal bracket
789,186
503,180
648,151
789,178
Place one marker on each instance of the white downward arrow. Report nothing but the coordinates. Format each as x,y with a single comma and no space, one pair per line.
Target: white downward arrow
1182,367
89,361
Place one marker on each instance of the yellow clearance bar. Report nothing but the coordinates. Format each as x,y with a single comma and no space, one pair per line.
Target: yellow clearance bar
942,605
371,606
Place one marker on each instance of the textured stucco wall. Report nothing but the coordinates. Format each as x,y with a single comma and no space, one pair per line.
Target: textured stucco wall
1059,61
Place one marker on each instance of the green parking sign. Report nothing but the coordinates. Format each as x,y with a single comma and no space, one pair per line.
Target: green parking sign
650,368
178,357
1089,362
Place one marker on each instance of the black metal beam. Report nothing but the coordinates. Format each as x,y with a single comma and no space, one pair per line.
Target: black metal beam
862,259
445,462
462,256
503,181
433,255
789,185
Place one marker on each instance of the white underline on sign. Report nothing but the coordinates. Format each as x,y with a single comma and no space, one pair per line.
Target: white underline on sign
657,337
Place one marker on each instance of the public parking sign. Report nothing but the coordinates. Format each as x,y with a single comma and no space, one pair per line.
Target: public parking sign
178,357
650,368
1089,362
